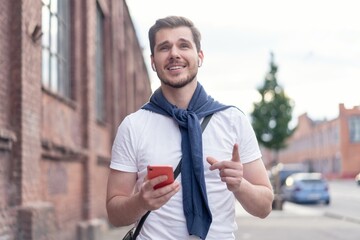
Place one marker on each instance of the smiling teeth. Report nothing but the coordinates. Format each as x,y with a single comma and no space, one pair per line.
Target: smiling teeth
175,68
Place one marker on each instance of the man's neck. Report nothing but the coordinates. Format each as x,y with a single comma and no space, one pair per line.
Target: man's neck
179,97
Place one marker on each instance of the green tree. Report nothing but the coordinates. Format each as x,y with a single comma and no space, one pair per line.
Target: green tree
270,119
272,114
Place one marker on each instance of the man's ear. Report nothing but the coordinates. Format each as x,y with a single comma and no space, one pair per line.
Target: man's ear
152,63
201,58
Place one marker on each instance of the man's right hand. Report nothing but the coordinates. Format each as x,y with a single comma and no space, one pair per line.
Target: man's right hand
153,199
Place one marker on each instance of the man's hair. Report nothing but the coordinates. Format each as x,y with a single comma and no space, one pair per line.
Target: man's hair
174,22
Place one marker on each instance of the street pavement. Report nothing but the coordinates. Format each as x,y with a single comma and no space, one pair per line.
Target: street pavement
297,222
115,233
294,222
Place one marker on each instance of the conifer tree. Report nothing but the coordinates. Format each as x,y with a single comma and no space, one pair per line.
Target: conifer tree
272,114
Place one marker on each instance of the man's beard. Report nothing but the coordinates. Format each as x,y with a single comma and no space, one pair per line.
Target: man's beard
178,84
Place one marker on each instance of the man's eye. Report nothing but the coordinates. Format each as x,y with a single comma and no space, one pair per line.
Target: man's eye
164,48
184,46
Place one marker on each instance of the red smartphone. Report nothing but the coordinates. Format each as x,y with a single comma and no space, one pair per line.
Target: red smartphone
158,170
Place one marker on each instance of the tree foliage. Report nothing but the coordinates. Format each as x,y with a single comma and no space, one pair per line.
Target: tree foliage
272,114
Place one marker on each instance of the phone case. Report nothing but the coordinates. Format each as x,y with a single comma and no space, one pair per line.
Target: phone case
155,171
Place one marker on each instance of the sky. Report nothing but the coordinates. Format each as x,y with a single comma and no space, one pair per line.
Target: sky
316,46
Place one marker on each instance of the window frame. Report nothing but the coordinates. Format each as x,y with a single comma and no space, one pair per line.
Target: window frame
354,129
55,45
100,78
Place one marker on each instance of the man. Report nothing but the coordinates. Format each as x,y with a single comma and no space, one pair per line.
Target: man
220,165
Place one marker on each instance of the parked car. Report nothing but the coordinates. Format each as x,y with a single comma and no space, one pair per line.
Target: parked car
282,171
306,188
277,176
357,179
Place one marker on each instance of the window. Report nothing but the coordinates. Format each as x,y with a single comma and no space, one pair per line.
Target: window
55,46
99,65
354,129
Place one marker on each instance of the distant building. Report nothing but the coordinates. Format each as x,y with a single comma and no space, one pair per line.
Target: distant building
331,147
70,71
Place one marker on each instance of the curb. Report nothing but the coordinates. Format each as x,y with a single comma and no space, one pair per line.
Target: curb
342,217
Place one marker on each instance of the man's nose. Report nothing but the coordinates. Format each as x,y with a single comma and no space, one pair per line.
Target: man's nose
174,52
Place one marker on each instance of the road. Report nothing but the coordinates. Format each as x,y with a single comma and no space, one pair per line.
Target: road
345,201
338,221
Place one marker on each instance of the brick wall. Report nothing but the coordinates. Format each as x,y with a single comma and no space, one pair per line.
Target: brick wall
350,151
4,65
324,146
54,154
9,187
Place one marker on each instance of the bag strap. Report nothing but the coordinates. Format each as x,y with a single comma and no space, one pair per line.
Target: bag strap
204,123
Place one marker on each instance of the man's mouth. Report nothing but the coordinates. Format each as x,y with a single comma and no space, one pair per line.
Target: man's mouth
175,67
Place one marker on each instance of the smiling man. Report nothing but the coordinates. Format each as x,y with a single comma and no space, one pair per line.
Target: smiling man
177,59
218,167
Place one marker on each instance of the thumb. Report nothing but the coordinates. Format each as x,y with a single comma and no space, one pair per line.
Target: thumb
235,153
211,160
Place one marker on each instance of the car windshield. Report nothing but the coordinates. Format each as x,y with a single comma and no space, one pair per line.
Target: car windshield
312,181
313,184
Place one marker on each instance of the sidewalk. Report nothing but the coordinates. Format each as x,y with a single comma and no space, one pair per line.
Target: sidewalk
116,233
290,211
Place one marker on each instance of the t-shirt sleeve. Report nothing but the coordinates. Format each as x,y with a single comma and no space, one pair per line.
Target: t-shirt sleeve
248,144
123,157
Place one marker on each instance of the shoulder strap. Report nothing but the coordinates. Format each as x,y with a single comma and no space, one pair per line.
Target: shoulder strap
204,123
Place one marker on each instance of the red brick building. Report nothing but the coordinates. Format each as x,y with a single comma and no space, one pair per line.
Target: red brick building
69,73
331,147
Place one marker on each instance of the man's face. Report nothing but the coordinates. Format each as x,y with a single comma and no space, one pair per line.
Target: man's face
175,56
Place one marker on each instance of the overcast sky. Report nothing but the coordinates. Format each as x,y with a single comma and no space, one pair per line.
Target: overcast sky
316,44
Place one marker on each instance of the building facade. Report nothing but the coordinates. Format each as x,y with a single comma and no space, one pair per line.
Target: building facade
330,147
70,71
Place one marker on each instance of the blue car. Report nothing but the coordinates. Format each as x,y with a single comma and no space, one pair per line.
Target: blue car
306,188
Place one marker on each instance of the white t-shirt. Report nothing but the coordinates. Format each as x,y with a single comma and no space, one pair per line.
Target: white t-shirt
145,138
